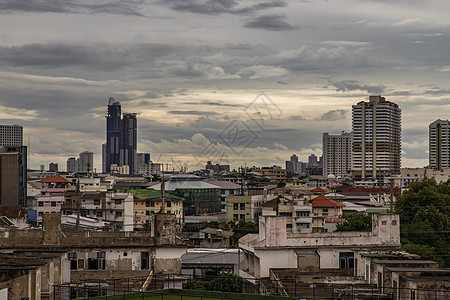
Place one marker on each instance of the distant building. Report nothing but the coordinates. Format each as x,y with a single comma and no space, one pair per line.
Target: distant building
376,145
293,165
313,161
217,168
11,135
337,154
121,138
71,165
439,147
86,162
53,167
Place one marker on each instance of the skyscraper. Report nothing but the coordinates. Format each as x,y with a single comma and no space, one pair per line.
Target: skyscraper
13,166
337,154
11,135
128,152
376,143
121,138
439,144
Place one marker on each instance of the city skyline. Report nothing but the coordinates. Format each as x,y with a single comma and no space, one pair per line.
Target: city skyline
191,68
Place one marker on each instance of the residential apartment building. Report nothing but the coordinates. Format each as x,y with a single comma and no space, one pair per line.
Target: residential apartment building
325,210
376,146
439,144
148,202
238,208
337,154
275,174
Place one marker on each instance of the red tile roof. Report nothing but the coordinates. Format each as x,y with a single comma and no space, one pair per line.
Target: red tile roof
55,179
318,190
322,201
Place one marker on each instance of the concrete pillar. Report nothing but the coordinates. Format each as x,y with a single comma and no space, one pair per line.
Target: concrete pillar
164,229
51,229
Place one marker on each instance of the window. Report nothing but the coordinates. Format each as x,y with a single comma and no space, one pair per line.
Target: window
97,202
324,210
288,225
81,264
40,204
242,206
145,260
98,263
118,214
235,217
152,204
147,203
147,213
73,260
383,223
117,202
346,260
394,222
242,216
235,206
99,214
169,204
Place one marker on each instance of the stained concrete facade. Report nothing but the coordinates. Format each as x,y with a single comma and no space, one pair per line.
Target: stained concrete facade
274,247
100,254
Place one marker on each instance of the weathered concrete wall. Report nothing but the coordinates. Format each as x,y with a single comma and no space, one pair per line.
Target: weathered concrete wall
164,229
16,287
168,259
102,274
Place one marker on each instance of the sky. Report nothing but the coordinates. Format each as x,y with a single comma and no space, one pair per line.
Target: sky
231,81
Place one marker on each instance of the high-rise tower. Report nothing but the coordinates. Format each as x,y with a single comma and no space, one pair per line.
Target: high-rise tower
337,154
128,153
439,147
121,138
376,143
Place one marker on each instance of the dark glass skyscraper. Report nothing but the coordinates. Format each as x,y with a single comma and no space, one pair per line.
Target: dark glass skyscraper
121,138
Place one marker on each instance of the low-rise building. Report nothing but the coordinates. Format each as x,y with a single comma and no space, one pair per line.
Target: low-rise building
149,202
275,247
323,209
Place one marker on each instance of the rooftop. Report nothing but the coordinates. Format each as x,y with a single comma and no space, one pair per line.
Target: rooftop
323,201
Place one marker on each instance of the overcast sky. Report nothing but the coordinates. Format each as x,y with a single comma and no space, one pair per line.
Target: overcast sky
232,81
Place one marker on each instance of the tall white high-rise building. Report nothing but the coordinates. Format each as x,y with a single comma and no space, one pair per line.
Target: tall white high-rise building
376,144
337,154
439,147
11,135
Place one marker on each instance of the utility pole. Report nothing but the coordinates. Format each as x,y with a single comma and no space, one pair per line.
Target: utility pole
163,198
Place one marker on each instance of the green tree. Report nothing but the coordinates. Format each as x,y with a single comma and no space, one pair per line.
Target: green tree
424,211
226,282
356,222
281,184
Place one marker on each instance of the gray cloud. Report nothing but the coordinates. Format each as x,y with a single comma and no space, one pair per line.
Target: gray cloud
270,22
334,115
129,7
354,85
105,57
217,7
212,103
192,112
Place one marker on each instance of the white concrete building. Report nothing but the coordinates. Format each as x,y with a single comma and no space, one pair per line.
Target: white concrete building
376,145
274,247
337,154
